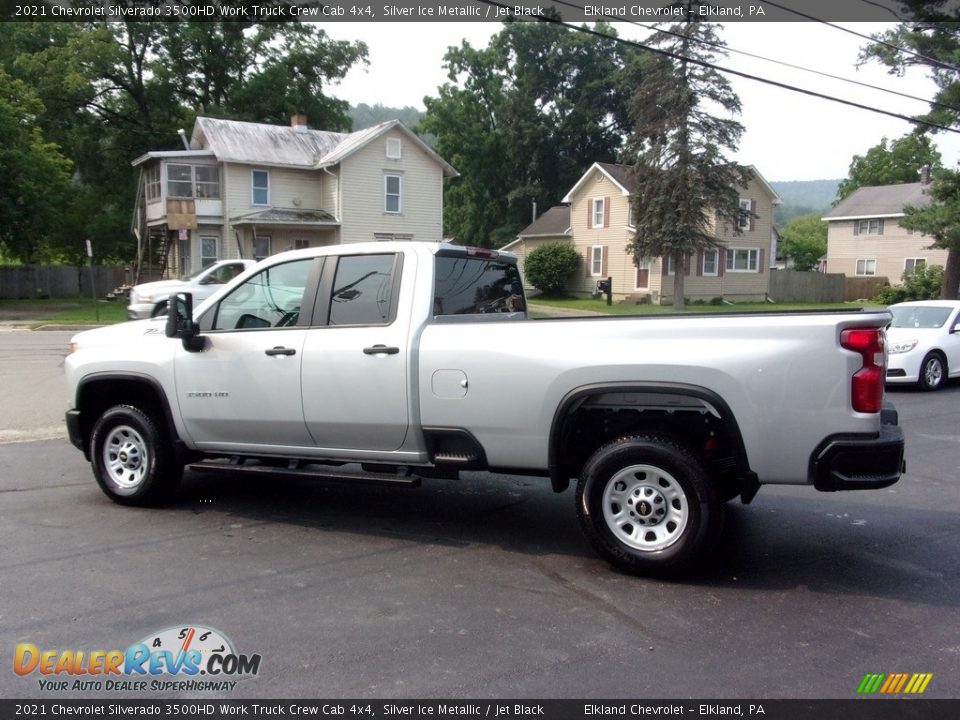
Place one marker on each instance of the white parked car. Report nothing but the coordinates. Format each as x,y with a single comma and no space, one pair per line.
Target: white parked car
150,299
923,343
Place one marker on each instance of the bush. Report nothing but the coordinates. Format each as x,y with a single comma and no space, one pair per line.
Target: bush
550,266
923,284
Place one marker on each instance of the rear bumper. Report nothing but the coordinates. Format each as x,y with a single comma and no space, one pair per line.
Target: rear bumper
845,462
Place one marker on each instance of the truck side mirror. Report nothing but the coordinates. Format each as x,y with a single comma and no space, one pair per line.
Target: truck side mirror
180,322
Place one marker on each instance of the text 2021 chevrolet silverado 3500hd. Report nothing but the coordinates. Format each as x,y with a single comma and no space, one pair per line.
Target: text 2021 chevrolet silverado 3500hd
417,359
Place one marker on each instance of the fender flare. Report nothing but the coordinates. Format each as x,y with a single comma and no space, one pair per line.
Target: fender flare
574,399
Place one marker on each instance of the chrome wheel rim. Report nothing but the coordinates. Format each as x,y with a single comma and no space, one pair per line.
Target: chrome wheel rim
125,457
933,372
645,508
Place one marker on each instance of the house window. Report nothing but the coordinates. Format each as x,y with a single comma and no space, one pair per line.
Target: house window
152,182
301,244
179,181
208,251
873,226
391,193
866,267
260,187
743,259
207,178
710,264
261,247
746,213
596,260
597,213
911,265
192,181
393,148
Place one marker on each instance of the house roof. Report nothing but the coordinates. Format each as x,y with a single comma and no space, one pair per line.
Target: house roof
555,221
286,216
625,177
174,155
285,146
877,201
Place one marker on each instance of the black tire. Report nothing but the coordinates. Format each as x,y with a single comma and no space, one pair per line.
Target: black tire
133,461
160,309
933,371
647,506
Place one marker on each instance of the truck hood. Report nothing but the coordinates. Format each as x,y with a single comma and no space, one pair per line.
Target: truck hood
120,334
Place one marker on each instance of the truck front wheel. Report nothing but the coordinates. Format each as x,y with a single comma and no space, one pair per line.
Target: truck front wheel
647,506
133,462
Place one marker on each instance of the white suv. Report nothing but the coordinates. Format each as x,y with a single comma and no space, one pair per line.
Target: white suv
150,299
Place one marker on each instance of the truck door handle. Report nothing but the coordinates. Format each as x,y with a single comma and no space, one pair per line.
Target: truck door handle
280,351
381,350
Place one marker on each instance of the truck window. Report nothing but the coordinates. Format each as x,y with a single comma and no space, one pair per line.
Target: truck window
271,298
469,286
363,290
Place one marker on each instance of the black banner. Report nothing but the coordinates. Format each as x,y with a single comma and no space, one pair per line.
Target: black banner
862,709
650,11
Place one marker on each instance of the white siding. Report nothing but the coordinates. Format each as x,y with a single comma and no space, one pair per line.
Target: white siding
362,193
888,250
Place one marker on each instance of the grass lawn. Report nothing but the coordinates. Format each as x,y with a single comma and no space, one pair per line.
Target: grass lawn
64,311
600,306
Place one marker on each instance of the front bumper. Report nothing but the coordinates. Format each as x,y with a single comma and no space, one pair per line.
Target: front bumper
904,367
853,462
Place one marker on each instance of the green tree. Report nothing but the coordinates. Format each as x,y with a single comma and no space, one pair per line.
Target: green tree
687,189
112,91
924,284
522,119
805,241
34,175
941,221
549,267
900,162
931,40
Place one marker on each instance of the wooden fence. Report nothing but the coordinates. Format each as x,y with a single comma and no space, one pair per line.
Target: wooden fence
59,281
812,287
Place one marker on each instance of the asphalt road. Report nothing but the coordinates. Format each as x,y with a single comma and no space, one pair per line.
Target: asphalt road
483,587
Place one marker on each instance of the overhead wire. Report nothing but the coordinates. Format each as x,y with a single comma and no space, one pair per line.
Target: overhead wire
793,66
726,70
905,51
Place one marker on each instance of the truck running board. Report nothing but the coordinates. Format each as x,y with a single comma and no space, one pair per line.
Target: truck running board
401,478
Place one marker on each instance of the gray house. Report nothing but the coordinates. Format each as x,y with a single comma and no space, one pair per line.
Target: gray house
250,190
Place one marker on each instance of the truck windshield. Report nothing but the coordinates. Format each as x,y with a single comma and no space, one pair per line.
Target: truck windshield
469,286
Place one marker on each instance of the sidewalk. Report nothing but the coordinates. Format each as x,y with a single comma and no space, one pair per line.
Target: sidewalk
563,312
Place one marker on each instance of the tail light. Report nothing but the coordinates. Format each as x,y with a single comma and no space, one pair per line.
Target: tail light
866,387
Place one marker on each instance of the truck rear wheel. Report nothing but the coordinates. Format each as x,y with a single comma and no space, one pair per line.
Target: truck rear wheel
133,462
647,506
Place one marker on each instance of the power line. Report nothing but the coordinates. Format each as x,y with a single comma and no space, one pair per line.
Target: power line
905,51
729,71
800,67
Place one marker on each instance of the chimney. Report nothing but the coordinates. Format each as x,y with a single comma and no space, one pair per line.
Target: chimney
925,175
299,122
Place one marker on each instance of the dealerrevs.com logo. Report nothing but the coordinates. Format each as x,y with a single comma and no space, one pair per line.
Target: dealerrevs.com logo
182,658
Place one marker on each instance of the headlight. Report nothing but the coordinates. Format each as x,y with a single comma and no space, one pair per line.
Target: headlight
903,346
148,298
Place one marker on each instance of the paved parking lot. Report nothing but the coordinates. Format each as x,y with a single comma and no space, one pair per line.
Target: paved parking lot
482,587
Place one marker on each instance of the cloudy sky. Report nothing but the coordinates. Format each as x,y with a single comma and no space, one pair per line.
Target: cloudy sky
789,136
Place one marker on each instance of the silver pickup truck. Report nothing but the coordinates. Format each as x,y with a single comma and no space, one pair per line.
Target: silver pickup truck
389,362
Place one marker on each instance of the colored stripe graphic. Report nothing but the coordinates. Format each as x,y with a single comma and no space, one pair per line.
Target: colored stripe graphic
894,683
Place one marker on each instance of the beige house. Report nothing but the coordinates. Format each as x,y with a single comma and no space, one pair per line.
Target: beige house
596,220
251,190
865,239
